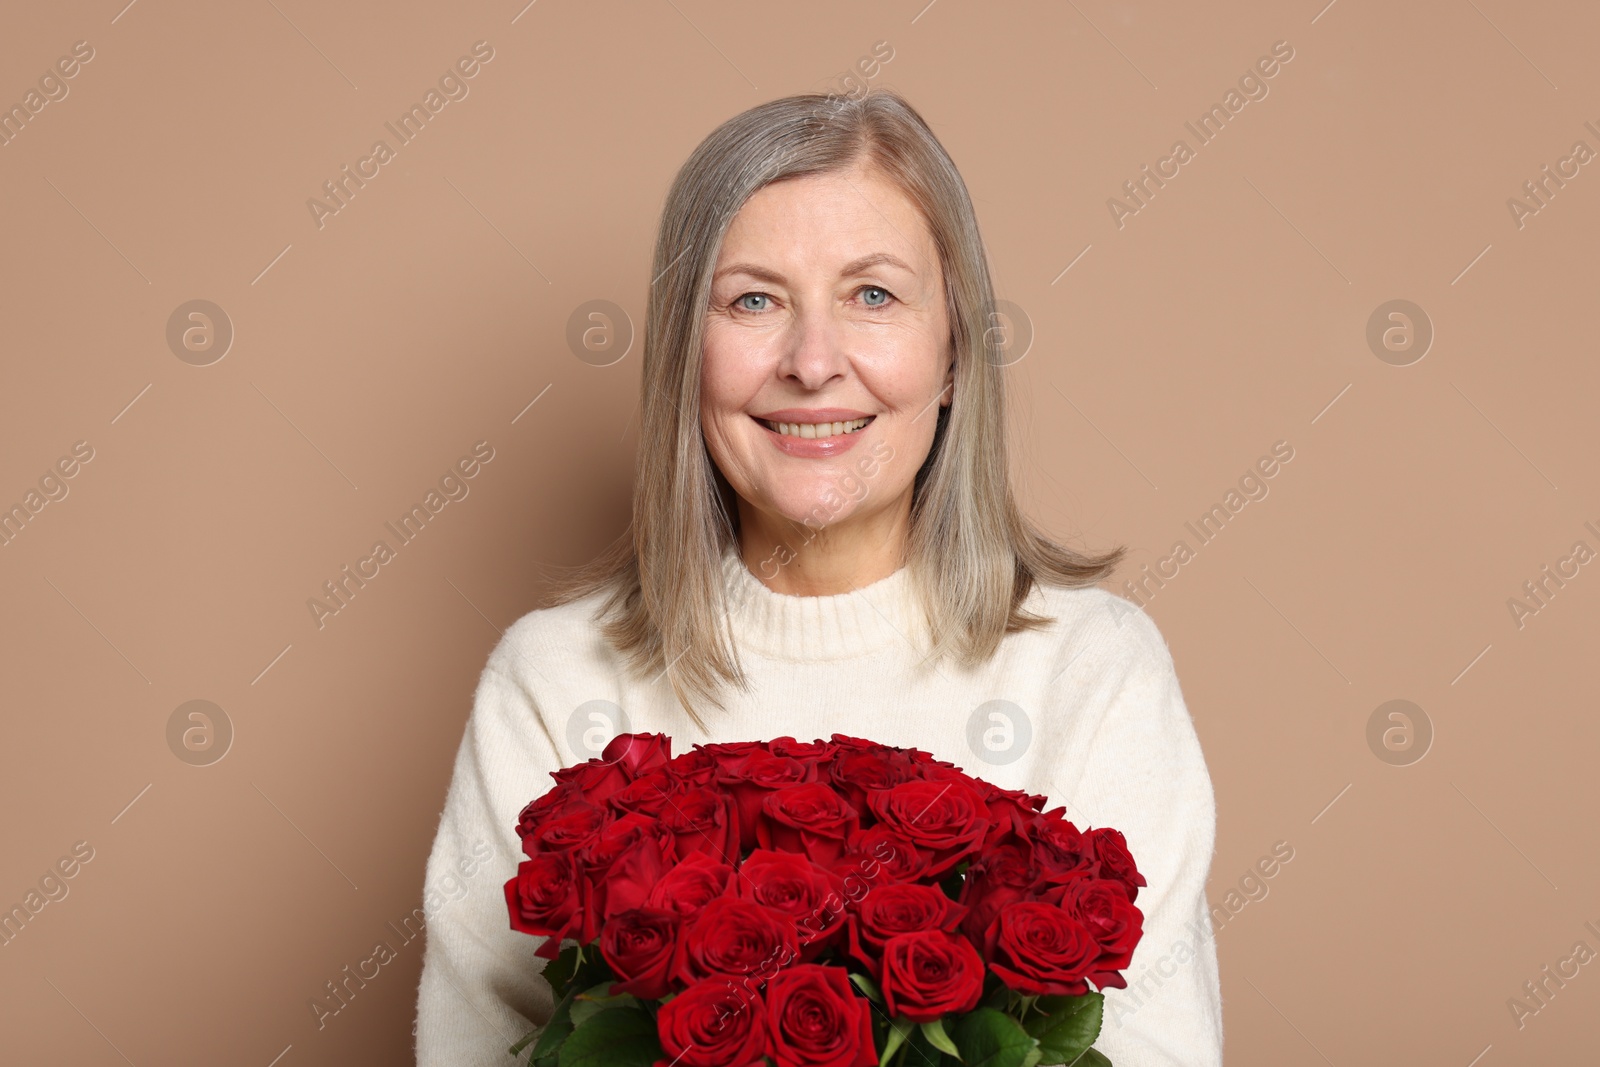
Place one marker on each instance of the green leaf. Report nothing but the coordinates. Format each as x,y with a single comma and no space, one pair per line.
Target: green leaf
1092,1058
1068,1027
867,986
552,1033
989,1038
934,1032
899,1027
575,967
597,998
616,1037
559,971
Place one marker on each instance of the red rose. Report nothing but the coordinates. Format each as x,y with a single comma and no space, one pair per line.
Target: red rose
809,818
638,945
730,753
752,777
543,899
620,864
859,744
930,974
555,802
594,779
854,771
694,767
647,794
944,820
1001,875
713,1023
805,751
1060,851
879,855
815,1019
737,937
1010,810
576,826
632,872
891,910
1040,949
1111,849
704,820
638,753
688,887
811,897
1115,923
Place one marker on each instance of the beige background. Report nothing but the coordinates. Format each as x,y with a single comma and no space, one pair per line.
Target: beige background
369,354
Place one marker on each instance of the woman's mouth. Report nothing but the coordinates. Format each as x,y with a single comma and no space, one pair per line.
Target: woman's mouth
817,429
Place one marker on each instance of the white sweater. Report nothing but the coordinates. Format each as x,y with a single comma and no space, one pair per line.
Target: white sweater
1095,720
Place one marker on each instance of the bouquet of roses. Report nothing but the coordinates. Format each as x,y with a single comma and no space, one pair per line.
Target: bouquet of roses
826,904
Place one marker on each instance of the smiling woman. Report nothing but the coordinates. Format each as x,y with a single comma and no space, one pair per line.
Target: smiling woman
815,374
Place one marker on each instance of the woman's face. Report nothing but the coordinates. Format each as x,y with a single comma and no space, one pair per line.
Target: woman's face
827,307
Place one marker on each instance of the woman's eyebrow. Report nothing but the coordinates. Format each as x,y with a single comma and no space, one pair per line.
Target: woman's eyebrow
854,267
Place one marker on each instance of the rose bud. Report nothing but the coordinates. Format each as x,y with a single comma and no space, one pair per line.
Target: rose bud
543,900
639,945
713,1023
638,753
930,974
815,1019
738,937
1039,949
688,887
894,909
809,818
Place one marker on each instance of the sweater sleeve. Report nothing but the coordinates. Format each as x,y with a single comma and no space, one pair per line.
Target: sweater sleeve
1144,774
482,989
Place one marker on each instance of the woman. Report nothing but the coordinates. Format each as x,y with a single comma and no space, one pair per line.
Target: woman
824,539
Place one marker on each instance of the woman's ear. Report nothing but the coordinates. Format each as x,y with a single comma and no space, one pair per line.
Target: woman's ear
949,383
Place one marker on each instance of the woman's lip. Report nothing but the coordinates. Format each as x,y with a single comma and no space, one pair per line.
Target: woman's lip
814,447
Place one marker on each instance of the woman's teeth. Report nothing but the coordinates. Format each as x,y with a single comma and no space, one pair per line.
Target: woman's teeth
815,429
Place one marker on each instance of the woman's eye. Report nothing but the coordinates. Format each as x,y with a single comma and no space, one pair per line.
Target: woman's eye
873,296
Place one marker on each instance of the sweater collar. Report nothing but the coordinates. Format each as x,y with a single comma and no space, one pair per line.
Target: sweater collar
878,615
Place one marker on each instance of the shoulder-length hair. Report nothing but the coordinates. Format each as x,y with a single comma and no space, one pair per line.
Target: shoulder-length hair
973,558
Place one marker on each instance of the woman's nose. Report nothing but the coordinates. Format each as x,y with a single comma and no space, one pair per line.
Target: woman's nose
817,350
